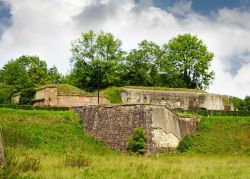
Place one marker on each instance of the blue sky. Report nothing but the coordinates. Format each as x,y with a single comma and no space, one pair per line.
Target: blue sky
46,28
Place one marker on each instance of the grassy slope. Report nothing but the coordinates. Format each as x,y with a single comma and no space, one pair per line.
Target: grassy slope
220,135
54,135
165,89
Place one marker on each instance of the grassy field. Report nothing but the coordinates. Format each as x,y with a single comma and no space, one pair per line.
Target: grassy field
47,144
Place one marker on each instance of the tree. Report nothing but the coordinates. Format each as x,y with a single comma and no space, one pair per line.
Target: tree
6,91
26,72
54,76
187,60
96,53
141,65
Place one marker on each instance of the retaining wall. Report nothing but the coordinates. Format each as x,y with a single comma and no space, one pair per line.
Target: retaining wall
114,124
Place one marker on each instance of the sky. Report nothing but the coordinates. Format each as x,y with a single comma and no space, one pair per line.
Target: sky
46,28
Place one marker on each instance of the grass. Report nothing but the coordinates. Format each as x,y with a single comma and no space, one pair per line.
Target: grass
112,94
52,144
220,135
66,89
165,89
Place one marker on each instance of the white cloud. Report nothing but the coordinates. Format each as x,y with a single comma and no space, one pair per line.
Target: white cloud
46,28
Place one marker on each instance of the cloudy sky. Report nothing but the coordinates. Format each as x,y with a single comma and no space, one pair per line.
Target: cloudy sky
47,27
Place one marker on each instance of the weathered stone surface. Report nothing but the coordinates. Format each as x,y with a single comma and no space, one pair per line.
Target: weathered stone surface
163,140
176,99
114,124
49,96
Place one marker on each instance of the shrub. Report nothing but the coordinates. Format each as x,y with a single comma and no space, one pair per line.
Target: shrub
27,96
79,161
185,144
137,143
30,162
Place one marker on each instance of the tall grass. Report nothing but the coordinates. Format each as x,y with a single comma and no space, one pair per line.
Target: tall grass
52,144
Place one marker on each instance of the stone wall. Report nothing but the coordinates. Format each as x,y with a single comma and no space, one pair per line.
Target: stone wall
49,97
176,99
114,124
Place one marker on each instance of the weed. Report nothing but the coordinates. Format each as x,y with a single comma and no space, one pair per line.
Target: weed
77,160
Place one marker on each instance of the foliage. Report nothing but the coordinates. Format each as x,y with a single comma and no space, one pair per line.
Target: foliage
27,71
27,96
6,91
187,61
185,144
96,56
137,143
141,64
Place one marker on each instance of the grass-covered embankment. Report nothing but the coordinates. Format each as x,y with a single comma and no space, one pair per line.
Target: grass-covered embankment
224,135
52,144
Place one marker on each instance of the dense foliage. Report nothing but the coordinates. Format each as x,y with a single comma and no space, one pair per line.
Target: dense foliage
28,71
6,91
27,96
241,104
137,143
183,62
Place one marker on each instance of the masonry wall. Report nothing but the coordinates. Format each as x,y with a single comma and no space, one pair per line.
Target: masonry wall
114,124
175,99
50,97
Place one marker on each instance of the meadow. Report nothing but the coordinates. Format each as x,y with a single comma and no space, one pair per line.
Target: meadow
52,144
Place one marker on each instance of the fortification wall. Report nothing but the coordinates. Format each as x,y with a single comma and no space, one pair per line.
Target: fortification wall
77,100
175,99
49,96
114,124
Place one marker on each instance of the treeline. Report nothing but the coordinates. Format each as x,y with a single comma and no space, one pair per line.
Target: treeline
183,62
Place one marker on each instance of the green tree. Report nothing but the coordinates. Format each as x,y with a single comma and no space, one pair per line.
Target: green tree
54,76
141,65
28,71
186,60
96,53
6,91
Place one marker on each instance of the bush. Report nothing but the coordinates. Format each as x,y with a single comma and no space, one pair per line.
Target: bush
30,162
137,143
6,91
27,96
79,161
185,144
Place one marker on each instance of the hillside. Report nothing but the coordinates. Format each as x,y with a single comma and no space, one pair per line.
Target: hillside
43,144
